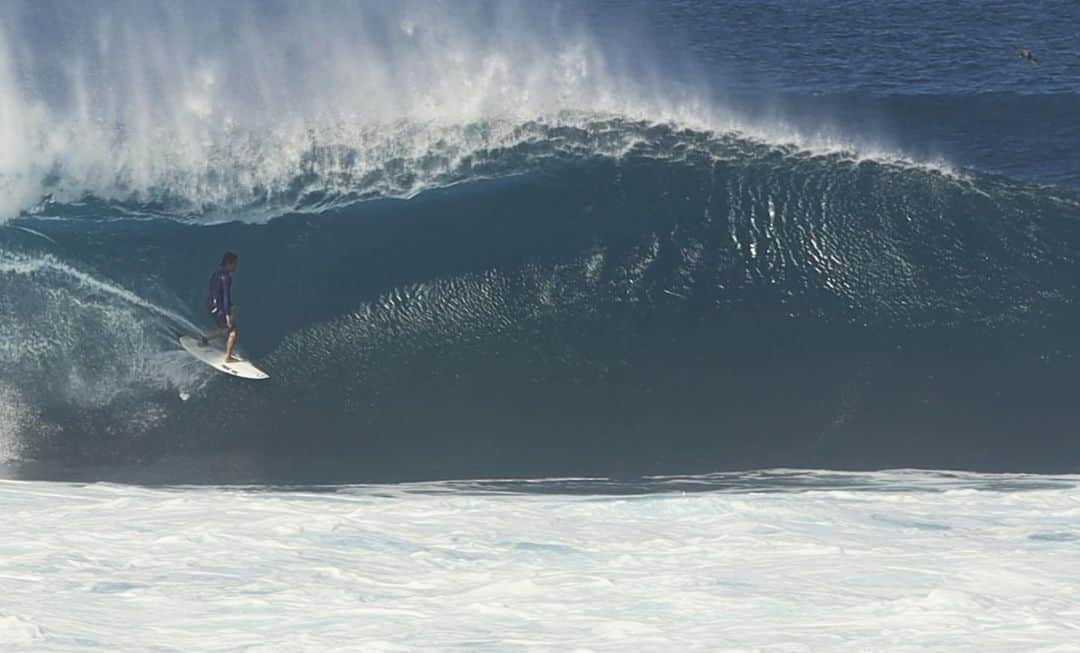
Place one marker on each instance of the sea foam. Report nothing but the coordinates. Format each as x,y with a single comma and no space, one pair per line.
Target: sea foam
891,561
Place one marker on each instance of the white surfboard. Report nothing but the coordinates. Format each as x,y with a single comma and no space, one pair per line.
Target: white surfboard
215,358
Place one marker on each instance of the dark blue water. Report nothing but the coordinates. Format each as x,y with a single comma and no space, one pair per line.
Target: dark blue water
616,239
933,79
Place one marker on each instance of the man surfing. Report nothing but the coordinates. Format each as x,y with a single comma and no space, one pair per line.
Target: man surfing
221,307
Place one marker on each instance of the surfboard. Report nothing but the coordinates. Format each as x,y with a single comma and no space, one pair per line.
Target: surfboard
215,358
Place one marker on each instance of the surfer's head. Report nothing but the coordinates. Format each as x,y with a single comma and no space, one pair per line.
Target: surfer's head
229,261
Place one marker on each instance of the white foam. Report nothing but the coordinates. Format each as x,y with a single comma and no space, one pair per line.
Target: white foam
13,419
985,565
44,344
17,633
26,264
211,110
204,102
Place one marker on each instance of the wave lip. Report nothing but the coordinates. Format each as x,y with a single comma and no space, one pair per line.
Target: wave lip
214,112
156,101
259,177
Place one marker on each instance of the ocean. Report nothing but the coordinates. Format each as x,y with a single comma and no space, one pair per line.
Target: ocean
763,312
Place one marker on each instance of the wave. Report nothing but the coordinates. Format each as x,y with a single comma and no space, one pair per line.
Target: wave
260,178
73,342
212,108
257,179
691,300
209,112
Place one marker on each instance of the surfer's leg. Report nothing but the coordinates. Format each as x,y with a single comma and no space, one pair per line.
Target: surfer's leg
213,335
229,344
222,328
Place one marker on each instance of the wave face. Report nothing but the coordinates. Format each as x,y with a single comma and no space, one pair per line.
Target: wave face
696,301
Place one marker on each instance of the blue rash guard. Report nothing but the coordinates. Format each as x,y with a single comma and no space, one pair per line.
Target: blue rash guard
220,302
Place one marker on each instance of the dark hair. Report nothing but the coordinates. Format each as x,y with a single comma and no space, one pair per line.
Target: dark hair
228,258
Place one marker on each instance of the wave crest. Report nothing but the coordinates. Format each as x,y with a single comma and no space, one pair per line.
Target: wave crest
218,106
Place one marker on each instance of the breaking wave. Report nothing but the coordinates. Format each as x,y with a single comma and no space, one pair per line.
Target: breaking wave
697,300
477,242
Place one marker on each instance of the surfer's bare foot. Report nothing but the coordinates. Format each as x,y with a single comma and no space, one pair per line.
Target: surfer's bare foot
232,359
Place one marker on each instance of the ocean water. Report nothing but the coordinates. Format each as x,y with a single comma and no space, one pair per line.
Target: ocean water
544,239
650,245
778,561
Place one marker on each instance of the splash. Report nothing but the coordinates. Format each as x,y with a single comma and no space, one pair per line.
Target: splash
12,422
214,104
75,336
249,110
22,425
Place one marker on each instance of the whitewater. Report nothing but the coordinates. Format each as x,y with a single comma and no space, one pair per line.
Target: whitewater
768,561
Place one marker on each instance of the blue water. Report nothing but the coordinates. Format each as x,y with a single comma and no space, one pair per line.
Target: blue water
934,79
614,238
878,48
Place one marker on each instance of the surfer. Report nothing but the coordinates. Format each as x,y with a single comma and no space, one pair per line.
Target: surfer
1026,55
221,307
